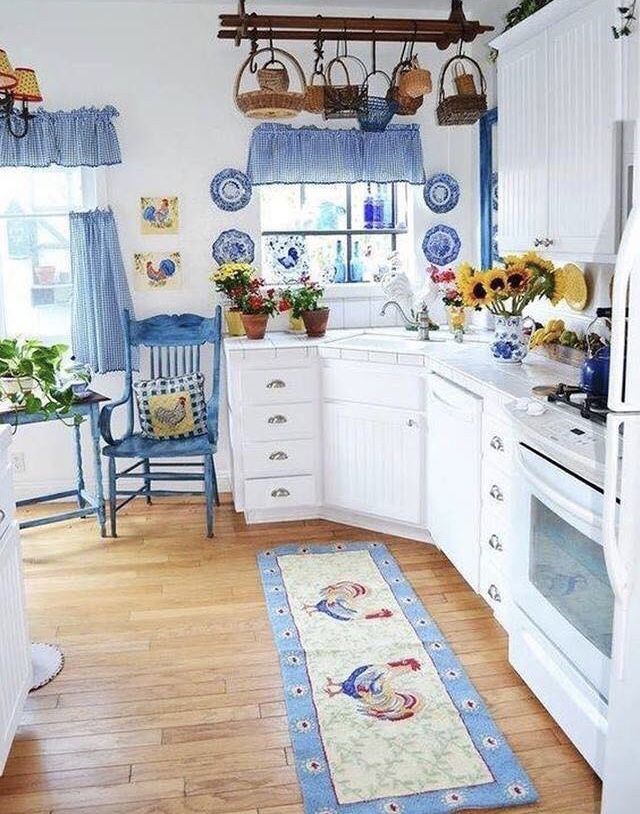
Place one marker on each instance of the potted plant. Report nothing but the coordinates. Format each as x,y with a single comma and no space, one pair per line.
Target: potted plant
505,292
304,302
445,282
29,376
230,280
257,304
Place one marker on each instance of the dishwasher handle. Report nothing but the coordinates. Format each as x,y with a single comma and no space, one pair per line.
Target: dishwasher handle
447,396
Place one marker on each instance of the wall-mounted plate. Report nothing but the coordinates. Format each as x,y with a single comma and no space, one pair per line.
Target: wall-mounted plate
287,256
441,193
231,190
233,246
441,245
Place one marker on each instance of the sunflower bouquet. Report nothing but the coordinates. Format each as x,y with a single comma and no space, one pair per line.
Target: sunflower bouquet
506,291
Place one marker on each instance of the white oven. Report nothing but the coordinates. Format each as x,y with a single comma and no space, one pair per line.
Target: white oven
563,627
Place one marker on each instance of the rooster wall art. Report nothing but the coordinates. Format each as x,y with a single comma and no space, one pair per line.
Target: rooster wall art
373,686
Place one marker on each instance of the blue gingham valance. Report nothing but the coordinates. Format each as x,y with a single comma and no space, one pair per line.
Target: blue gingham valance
84,137
281,154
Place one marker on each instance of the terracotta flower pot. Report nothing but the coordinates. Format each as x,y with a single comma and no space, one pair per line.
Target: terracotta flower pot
316,322
255,325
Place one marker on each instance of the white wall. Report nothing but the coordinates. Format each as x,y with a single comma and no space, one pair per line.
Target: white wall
160,64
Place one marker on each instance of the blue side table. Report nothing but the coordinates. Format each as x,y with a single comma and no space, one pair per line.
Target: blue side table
88,504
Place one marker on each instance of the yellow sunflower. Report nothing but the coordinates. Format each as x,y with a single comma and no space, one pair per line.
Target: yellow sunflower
475,290
518,277
496,280
559,286
464,273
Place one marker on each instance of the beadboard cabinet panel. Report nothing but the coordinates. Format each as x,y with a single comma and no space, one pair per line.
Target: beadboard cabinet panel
522,145
373,460
583,134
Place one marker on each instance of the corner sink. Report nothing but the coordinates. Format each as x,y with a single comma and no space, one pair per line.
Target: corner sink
399,340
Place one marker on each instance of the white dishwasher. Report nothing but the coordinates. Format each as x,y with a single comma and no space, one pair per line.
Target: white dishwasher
454,454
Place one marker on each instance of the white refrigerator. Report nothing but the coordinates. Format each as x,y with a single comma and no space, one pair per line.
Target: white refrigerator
621,521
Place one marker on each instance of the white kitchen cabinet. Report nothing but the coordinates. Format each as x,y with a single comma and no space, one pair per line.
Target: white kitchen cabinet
454,474
373,459
15,652
559,151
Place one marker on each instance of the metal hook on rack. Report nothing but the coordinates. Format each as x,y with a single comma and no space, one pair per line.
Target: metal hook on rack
318,47
253,68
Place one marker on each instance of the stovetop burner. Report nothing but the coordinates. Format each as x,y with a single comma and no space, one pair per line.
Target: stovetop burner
593,408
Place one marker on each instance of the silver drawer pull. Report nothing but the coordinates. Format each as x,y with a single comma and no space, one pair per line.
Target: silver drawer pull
496,493
3,514
276,384
277,419
280,493
497,443
494,543
412,423
494,593
278,456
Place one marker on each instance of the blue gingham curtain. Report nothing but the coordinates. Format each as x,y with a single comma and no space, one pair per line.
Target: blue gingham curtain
281,154
84,137
100,291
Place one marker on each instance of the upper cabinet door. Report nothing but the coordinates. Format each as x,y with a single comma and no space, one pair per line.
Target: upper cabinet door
583,133
522,145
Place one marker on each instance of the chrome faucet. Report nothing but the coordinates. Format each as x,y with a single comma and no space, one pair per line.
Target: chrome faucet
420,322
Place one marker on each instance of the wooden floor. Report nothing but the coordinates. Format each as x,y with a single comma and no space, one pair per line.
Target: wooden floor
171,701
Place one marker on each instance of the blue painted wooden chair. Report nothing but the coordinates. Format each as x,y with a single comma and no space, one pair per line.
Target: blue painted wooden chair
174,344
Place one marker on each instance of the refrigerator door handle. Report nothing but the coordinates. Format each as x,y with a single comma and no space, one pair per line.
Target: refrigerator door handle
618,572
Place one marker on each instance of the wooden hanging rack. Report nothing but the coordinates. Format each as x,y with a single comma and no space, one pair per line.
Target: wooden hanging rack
244,26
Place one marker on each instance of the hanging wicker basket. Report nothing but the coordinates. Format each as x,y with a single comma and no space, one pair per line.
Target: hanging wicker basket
269,103
376,112
342,101
407,105
314,100
273,76
461,109
465,82
413,80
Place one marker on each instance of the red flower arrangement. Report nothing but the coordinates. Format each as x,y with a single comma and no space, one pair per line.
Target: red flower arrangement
445,281
255,299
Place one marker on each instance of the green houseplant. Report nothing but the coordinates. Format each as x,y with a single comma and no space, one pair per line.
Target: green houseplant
29,374
304,301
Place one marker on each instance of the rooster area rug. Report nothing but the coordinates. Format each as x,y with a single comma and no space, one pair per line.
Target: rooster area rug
382,716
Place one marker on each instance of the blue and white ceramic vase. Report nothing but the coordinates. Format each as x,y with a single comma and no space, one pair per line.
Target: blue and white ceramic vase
510,344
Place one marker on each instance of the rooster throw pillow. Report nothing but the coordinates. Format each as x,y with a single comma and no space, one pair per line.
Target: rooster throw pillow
172,408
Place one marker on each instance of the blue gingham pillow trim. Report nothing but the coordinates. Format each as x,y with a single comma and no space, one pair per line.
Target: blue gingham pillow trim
193,384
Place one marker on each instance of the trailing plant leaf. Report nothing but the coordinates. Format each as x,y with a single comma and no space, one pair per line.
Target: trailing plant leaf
627,18
523,10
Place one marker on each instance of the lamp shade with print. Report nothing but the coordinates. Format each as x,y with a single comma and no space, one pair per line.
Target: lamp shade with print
8,77
27,88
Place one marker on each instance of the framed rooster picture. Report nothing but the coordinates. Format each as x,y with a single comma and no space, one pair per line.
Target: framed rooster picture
157,271
159,216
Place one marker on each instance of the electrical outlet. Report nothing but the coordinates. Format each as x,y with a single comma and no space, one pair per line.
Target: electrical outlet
18,462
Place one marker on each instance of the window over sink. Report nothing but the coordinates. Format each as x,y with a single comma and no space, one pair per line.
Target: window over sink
35,264
335,233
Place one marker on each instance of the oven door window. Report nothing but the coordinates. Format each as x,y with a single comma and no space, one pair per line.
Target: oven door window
569,570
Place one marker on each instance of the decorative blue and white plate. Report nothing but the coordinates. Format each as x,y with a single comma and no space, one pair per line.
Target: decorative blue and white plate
494,191
441,193
287,256
233,246
441,245
231,190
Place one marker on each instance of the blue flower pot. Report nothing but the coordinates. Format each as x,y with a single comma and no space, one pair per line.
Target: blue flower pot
510,344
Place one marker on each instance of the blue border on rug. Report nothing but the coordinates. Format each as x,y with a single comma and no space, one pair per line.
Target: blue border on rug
511,786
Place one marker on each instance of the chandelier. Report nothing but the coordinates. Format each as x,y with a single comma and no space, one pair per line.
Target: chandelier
17,85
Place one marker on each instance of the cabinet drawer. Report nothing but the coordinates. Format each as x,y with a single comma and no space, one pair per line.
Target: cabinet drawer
494,589
280,493
278,386
271,459
494,541
375,385
497,444
274,422
7,505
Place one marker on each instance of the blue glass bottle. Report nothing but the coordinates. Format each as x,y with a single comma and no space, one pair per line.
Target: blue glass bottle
378,209
369,209
339,265
356,266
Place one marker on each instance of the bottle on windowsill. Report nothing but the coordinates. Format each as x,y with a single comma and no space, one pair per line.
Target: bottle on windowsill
368,209
356,266
339,265
378,209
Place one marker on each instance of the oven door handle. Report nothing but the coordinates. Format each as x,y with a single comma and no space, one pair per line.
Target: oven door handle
569,506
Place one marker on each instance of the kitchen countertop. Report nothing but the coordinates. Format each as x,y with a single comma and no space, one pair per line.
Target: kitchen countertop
469,360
